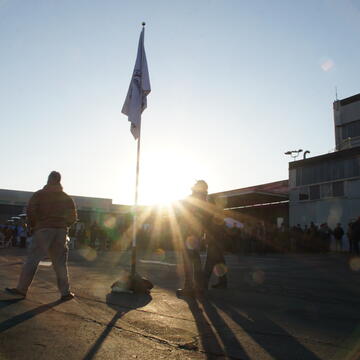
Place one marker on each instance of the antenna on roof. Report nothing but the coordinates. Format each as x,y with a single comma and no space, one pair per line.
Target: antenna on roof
336,94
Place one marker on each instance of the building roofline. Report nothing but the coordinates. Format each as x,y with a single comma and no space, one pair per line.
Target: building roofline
259,205
250,189
77,196
350,100
341,154
20,191
259,192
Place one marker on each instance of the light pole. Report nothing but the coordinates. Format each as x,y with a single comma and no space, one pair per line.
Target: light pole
305,153
294,153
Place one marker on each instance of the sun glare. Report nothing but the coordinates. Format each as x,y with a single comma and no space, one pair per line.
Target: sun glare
164,181
157,195
162,196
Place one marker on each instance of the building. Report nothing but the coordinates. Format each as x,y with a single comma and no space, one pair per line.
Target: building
326,188
13,203
347,122
266,203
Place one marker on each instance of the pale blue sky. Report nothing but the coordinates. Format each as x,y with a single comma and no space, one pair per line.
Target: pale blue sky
234,85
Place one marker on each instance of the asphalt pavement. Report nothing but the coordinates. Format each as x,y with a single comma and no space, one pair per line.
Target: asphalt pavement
276,307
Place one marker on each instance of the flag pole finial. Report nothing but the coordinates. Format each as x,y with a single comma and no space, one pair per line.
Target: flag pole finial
143,23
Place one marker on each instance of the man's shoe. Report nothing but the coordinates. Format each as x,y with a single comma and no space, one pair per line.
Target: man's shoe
15,291
219,286
184,292
67,297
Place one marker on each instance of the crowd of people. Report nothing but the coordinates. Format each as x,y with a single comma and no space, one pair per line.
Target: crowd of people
95,235
321,237
242,238
14,234
268,238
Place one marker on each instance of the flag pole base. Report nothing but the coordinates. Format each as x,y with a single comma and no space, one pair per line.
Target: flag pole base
132,284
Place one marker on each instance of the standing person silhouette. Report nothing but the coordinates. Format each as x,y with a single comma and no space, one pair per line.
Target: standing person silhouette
195,218
215,239
50,213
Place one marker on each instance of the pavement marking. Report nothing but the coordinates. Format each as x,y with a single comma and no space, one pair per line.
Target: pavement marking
45,263
157,262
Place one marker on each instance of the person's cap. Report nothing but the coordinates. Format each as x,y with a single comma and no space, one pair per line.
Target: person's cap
54,178
200,186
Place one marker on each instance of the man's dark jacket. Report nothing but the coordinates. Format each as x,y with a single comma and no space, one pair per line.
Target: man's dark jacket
50,207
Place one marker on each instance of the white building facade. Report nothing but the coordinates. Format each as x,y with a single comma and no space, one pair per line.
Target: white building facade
326,188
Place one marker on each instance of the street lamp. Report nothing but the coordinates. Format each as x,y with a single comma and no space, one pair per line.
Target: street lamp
294,153
305,153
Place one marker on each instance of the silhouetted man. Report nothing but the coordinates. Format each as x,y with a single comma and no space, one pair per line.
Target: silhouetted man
195,217
50,213
215,239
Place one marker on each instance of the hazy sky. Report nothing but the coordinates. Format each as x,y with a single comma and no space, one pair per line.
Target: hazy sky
235,84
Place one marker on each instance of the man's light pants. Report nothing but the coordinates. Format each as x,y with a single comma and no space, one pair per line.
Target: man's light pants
50,241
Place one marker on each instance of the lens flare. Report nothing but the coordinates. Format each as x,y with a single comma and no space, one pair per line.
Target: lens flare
110,222
88,253
159,254
218,220
221,202
220,269
192,242
327,65
258,276
355,263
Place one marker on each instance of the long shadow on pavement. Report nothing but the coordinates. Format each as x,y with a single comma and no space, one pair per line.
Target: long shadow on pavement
120,302
18,319
208,337
295,349
213,331
4,303
219,339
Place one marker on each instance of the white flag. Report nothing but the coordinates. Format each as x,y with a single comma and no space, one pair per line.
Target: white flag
139,88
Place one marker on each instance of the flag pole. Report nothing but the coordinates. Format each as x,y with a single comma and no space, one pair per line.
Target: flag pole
133,248
135,211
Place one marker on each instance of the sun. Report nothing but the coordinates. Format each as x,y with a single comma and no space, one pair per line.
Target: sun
163,180
167,174
155,191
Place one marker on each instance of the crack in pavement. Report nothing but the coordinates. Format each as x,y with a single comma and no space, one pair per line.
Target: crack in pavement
135,309
184,346
179,346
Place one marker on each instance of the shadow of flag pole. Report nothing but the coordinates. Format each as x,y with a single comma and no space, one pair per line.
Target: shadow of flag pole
135,103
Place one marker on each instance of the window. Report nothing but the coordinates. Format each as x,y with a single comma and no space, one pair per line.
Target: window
329,170
338,188
326,190
351,130
304,193
314,192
